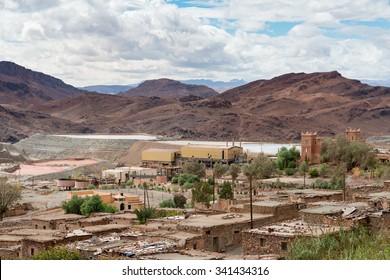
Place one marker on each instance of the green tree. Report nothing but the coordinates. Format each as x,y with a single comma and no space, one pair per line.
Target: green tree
226,190
91,205
220,169
58,253
352,153
167,203
9,195
261,167
202,192
313,172
180,200
288,158
196,168
234,170
73,206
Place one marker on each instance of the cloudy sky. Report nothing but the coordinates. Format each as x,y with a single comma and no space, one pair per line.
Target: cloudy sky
88,42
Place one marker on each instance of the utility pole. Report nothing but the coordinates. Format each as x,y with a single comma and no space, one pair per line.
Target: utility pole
250,199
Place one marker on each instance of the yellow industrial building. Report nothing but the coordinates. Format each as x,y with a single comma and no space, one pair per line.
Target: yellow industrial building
161,156
213,153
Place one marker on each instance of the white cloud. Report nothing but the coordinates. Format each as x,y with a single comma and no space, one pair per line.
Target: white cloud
117,41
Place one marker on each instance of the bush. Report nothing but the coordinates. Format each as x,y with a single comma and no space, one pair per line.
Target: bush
187,185
226,191
91,187
355,244
290,171
320,184
143,214
108,208
313,173
175,180
73,205
179,200
58,253
86,206
324,170
167,203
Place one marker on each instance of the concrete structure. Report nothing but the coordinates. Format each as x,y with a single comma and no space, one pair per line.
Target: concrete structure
125,173
68,184
212,154
220,231
311,147
120,200
277,238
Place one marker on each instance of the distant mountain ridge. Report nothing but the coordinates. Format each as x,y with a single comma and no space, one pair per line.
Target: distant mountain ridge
108,89
218,86
169,88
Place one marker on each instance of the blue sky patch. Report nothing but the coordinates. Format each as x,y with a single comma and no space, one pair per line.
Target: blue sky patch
275,29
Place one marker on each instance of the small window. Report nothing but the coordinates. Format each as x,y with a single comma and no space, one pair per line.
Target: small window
262,242
284,246
36,226
129,207
194,246
44,227
207,232
32,252
237,231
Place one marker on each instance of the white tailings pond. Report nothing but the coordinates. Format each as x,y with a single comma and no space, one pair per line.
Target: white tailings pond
249,147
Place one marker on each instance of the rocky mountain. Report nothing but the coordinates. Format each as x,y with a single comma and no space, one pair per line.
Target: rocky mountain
323,102
19,85
169,88
265,110
16,124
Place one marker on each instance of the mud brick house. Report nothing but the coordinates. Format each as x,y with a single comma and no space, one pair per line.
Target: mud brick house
310,196
277,238
221,231
361,193
338,214
281,210
53,222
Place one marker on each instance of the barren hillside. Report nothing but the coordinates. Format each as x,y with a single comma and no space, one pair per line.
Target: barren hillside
169,88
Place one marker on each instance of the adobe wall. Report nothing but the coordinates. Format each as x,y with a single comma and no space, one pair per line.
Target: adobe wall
37,247
9,253
357,193
380,222
315,198
39,224
264,244
281,212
